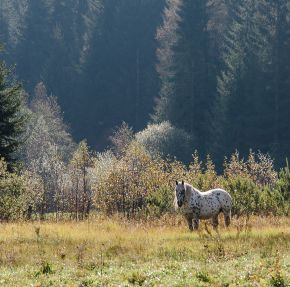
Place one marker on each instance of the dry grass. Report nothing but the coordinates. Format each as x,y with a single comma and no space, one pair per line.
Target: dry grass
115,252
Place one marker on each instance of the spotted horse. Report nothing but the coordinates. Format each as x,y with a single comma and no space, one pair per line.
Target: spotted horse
196,205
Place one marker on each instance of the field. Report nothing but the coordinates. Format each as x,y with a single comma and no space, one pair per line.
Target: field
115,252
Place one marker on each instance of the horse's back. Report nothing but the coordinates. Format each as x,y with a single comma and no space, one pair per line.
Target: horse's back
217,191
223,196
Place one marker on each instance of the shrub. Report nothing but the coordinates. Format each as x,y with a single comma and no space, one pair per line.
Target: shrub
248,198
258,167
254,185
159,202
139,184
120,189
283,183
19,193
135,182
202,176
166,140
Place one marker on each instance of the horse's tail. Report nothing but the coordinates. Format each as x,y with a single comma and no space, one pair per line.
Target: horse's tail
227,209
230,197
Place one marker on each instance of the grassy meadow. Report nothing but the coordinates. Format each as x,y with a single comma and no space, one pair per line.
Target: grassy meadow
115,252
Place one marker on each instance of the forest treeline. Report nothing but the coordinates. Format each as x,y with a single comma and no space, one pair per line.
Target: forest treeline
128,181
216,70
224,68
45,174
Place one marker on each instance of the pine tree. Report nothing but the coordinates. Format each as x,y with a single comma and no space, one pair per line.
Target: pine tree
167,38
278,78
239,105
12,115
36,44
252,110
186,70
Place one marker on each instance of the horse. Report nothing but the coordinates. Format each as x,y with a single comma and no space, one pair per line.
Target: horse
196,205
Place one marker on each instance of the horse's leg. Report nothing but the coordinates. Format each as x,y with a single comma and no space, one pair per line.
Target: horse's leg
189,221
196,213
215,221
227,216
196,222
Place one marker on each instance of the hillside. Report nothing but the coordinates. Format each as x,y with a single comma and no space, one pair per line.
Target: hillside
219,70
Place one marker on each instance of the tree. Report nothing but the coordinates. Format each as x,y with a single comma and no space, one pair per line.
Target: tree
13,117
81,194
240,104
186,70
48,147
46,127
253,99
167,38
278,78
121,139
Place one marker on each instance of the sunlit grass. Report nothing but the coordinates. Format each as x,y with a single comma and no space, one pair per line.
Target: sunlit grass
115,252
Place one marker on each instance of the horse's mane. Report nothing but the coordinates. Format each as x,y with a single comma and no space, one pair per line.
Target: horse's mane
189,187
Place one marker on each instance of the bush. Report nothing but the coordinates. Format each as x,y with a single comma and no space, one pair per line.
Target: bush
159,202
202,176
255,186
283,183
135,183
165,140
120,189
139,184
20,194
258,167
248,198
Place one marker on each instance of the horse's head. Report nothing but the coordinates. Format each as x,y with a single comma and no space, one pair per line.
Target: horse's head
180,193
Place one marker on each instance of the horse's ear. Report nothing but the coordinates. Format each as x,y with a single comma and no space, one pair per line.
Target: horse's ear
176,182
182,182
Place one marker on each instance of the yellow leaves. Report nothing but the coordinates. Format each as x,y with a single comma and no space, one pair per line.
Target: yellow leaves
18,192
129,181
82,156
3,167
136,182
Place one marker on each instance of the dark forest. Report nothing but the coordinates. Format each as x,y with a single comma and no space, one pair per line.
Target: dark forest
218,71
